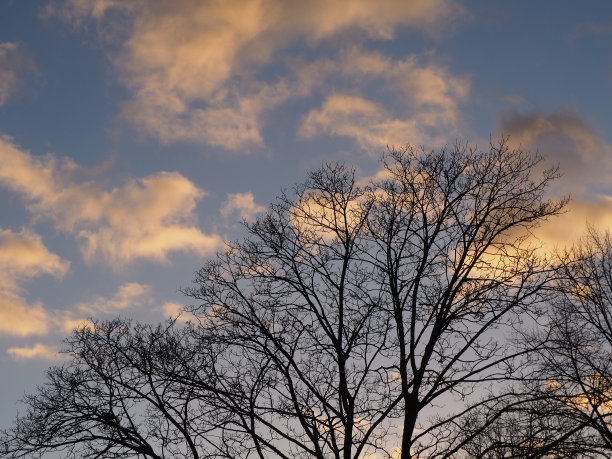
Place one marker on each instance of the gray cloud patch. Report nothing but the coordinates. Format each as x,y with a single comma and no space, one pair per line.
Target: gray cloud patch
14,67
564,138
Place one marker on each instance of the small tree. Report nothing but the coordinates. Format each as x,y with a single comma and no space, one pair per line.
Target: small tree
350,312
121,393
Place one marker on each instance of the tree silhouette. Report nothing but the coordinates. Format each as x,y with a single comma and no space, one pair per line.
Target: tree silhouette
118,396
337,328
564,407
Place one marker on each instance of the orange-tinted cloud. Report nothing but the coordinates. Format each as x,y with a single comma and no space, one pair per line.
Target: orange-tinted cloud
147,218
424,111
195,67
176,311
23,256
423,85
129,296
241,205
14,65
370,124
67,322
566,229
38,351
20,318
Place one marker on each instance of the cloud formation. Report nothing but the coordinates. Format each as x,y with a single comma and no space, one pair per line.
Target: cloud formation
176,311
197,69
241,205
23,256
563,137
147,218
78,11
129,296
570,227
420,102
14,65
37,351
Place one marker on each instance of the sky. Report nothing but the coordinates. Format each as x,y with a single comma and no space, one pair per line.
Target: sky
135,136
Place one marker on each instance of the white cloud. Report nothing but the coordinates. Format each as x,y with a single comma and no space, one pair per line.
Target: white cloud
23,256
147,218
241,204
38,351
14,65
196,68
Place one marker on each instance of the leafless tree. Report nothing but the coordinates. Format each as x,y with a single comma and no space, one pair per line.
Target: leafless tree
361,307
120,395
351,313
564,408
521,424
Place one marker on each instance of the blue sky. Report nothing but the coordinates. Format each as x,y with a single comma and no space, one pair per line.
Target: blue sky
136,135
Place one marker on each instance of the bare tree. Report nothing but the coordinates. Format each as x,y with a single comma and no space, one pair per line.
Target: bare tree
351,312
578,360
564,407
521,424
362,307
119,395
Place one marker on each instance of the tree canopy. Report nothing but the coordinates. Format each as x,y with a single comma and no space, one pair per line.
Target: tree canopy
356,319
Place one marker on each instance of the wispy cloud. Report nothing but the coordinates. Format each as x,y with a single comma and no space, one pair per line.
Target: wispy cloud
196,68
147,218
14,66
420,102
128,297
23,256
79,11
568,228
37,351
408,100
241,205
370,124
589,28
20,318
